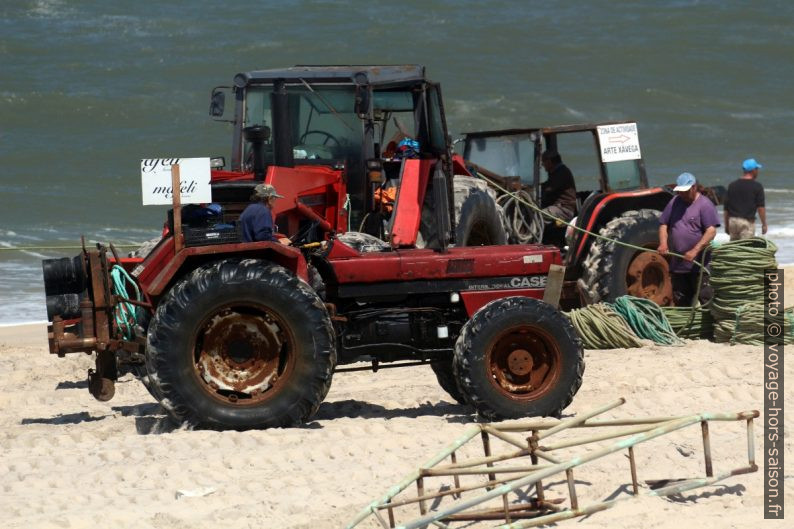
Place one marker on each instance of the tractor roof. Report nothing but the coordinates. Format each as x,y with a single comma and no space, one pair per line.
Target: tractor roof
557,129
374,75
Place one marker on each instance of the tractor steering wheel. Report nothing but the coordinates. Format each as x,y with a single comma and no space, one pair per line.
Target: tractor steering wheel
328,137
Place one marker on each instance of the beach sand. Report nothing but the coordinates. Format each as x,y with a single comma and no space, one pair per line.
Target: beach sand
69,461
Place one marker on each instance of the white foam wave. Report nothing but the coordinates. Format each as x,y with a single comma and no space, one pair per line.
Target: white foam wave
777,190
19,323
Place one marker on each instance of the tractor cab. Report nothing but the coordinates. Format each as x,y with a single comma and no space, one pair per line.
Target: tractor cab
343,143
603,157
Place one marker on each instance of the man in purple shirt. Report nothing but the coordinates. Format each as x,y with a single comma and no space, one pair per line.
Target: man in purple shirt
687,225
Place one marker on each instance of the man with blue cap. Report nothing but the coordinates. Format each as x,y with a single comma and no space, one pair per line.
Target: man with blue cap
687,225
744,198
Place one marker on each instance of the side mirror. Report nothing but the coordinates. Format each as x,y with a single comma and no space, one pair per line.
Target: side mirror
217,102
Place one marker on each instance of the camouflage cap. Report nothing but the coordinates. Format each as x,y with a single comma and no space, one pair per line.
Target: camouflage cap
266,191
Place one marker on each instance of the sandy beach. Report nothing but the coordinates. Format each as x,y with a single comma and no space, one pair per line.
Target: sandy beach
69,461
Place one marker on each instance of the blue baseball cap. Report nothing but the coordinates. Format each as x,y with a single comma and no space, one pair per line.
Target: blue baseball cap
750,165
684,182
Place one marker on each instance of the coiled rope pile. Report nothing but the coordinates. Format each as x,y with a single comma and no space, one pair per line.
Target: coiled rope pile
524,222
737,276
693,324
600,327
629,322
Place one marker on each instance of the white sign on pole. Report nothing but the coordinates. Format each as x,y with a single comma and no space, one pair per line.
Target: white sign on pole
619,142
194,179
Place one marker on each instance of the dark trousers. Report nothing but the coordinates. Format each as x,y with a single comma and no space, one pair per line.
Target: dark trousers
685,287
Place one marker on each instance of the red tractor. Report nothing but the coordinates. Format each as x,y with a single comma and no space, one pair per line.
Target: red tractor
620,206
227,334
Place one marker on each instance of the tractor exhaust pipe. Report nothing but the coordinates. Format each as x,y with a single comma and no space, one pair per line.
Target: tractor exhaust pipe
257,135
282,144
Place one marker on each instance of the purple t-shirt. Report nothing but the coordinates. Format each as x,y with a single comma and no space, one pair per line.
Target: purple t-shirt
686,224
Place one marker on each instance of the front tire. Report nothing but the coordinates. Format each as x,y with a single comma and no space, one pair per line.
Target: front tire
240,344
445,375
518,357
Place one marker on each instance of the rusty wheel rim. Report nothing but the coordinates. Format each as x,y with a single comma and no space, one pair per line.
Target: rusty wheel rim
524,362
648,276
242,354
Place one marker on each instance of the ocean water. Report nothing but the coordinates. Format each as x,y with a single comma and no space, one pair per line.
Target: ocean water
88,88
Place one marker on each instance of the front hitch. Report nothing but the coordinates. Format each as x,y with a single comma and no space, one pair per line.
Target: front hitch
91,328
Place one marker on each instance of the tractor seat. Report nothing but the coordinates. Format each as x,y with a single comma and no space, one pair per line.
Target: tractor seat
363,242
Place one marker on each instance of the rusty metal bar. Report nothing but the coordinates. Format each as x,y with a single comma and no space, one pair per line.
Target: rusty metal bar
504,437
516,511
635,487
562,515
134,302
750,442
582,417
454,460
420,491
486,446
506,507
474,471
176,194
547,457
704,426
538,484
600,437
381,520
391,514
597,423
571,488
449,492
483,460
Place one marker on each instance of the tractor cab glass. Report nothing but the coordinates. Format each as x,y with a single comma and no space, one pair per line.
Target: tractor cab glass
624,175
323,123
508,156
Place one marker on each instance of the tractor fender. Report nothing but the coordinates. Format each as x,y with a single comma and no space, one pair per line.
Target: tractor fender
163,267
601,208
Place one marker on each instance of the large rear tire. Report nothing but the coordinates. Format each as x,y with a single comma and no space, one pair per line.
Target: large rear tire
518,357
612,270
241,344
478,218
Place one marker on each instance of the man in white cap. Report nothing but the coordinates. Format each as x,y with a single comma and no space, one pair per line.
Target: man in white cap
257,219
687,225
745,197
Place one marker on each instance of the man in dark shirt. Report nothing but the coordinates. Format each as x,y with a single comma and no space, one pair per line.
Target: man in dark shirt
745,196
687,225
257,219
558,192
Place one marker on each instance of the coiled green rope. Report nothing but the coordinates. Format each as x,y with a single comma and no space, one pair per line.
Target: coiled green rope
125,311
693,326
647,320
737,276
600,327
748,325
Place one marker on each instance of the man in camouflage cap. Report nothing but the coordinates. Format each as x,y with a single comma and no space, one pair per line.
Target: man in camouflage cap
257,219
